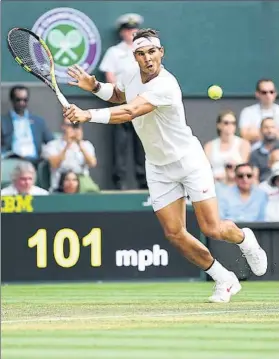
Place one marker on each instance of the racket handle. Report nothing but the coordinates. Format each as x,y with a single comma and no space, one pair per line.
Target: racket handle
62,99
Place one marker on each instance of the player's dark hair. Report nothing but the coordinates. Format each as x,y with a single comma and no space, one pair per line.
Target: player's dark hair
146,33
15,88
246,164
258,84
221,116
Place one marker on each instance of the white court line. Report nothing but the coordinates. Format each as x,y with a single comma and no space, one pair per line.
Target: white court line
159,315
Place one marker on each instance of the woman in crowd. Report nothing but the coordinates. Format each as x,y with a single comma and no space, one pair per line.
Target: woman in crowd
68,183
227,148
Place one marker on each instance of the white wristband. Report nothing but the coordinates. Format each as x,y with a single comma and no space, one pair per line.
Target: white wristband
100,116
105,92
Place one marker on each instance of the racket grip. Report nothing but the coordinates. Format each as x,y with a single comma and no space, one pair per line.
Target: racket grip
62,99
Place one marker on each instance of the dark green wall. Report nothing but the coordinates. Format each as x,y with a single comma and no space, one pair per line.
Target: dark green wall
232,43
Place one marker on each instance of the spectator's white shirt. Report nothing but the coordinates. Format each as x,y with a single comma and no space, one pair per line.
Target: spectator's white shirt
74,159
118,59
253,115
272,209
165,136
34,191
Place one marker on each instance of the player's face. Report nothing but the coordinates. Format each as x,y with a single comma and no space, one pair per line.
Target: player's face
244,178
267,93
24,182
149,59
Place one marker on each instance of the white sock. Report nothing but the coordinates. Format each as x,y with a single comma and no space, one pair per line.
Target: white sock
217,272
248,240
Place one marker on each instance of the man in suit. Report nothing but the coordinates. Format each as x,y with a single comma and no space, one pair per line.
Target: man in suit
23,134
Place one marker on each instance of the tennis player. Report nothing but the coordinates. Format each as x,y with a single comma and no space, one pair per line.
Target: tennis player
176,164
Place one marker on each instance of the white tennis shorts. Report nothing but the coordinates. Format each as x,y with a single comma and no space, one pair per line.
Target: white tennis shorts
191,176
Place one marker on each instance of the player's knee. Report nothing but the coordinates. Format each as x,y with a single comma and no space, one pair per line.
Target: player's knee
173,232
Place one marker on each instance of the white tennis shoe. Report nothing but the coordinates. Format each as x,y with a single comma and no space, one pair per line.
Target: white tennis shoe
223,291
254,254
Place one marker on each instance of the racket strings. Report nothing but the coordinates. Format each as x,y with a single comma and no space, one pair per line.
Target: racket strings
30,51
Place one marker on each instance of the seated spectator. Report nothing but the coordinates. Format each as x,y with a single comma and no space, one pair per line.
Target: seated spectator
273,158
272,210
70,152
259,157
68,183
23,182
252,116
22,133
227,147
229,179
243,202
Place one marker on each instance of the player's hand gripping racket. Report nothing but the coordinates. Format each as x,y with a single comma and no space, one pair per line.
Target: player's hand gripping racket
33,55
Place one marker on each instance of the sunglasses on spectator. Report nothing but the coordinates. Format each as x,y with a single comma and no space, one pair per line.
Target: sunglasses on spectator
21,99
229,122
242,175
266,92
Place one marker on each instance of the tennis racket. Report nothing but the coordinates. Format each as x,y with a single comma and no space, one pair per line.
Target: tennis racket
33,55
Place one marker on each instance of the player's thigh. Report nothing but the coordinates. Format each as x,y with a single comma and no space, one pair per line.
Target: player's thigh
162,190
199,182
173,216
200,186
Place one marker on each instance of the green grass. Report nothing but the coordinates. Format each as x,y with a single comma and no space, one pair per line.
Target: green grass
138,321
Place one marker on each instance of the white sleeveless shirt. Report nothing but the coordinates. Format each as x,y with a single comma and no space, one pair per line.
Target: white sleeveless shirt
218,159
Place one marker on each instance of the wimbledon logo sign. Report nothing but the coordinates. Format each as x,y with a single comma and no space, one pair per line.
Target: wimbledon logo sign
72,38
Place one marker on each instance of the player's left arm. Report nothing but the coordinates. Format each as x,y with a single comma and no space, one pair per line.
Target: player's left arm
114,115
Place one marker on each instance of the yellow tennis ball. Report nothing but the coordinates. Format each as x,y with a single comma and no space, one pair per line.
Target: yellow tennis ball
215,92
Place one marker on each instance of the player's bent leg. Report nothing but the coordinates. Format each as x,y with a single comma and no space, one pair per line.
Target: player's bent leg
172,218
211,225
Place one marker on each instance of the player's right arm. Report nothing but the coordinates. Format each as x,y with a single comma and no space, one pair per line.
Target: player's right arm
89,83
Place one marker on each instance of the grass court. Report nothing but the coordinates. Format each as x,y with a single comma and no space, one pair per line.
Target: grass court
138,321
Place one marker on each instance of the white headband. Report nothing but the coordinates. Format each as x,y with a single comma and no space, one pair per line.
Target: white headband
146,41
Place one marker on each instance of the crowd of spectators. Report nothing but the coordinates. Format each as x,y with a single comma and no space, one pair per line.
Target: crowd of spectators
246,167
28,146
